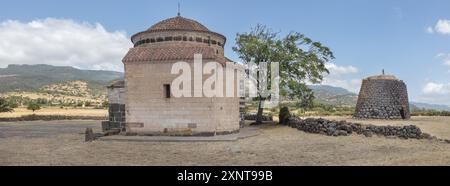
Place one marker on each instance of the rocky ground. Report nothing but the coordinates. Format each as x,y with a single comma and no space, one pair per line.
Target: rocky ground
62,143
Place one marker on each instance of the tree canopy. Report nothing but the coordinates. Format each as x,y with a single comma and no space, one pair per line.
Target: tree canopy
33,106
301,60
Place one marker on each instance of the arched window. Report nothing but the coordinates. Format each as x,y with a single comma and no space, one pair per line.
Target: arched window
159,39
184,38
177,38
152,40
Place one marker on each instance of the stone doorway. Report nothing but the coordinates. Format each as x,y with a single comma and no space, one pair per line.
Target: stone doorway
402,113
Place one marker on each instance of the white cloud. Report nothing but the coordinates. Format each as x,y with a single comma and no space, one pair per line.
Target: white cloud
435,93
338,70
62,42
436,88
440,55
429,30
445,59
340,77
443,26
447,62
353,85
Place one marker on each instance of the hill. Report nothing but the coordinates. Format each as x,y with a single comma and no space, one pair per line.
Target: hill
428,106
334,95
33,77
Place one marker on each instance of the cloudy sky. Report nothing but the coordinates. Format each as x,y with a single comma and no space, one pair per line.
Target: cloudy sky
410,39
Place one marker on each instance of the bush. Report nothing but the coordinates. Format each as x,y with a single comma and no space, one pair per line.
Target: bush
5,106
105,104
284,115
33,106
87,104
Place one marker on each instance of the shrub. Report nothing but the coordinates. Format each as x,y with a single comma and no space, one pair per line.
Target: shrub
33,106
284,115
5,106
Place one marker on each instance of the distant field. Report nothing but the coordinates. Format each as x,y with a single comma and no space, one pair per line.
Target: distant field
18,112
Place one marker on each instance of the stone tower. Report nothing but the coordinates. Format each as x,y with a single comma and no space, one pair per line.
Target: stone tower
382,97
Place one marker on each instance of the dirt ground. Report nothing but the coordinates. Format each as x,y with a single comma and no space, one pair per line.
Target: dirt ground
18,112
61,143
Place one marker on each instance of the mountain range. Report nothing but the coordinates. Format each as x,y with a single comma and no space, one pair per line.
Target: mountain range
31,78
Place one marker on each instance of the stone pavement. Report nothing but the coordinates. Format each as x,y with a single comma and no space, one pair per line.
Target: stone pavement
245,132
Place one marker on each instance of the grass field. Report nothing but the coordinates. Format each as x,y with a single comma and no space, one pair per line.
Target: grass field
62,143
18,112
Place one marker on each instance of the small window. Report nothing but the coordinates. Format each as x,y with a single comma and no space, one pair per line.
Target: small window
160,39
169,38
184,38
177,38
147,41
191,39
214,42
152,40
218,43
198,39
167,90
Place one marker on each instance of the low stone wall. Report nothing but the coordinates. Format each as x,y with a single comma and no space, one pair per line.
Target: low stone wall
252,117
343,128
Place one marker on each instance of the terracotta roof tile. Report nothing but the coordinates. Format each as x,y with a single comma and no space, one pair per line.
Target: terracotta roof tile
178,23
141,54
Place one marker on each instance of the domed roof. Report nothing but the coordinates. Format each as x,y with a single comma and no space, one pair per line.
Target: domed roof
178,23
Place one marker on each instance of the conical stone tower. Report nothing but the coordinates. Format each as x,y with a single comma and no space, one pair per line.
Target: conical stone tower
382,97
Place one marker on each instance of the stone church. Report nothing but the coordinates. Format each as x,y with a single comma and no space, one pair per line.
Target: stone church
143,103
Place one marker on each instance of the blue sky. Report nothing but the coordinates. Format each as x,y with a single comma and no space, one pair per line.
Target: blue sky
403,37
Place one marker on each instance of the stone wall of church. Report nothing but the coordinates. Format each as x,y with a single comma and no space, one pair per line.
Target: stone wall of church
116,109
149,112
383,99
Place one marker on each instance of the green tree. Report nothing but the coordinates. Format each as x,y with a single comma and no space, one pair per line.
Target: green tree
301,60
105,104
33,106
5,106
87,103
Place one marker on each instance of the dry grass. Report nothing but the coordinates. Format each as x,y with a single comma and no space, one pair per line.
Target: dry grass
18,112
34,95
276,145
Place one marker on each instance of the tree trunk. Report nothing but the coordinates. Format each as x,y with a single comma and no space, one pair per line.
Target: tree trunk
260,112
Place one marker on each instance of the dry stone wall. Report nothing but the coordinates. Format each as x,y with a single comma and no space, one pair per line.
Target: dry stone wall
343,128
